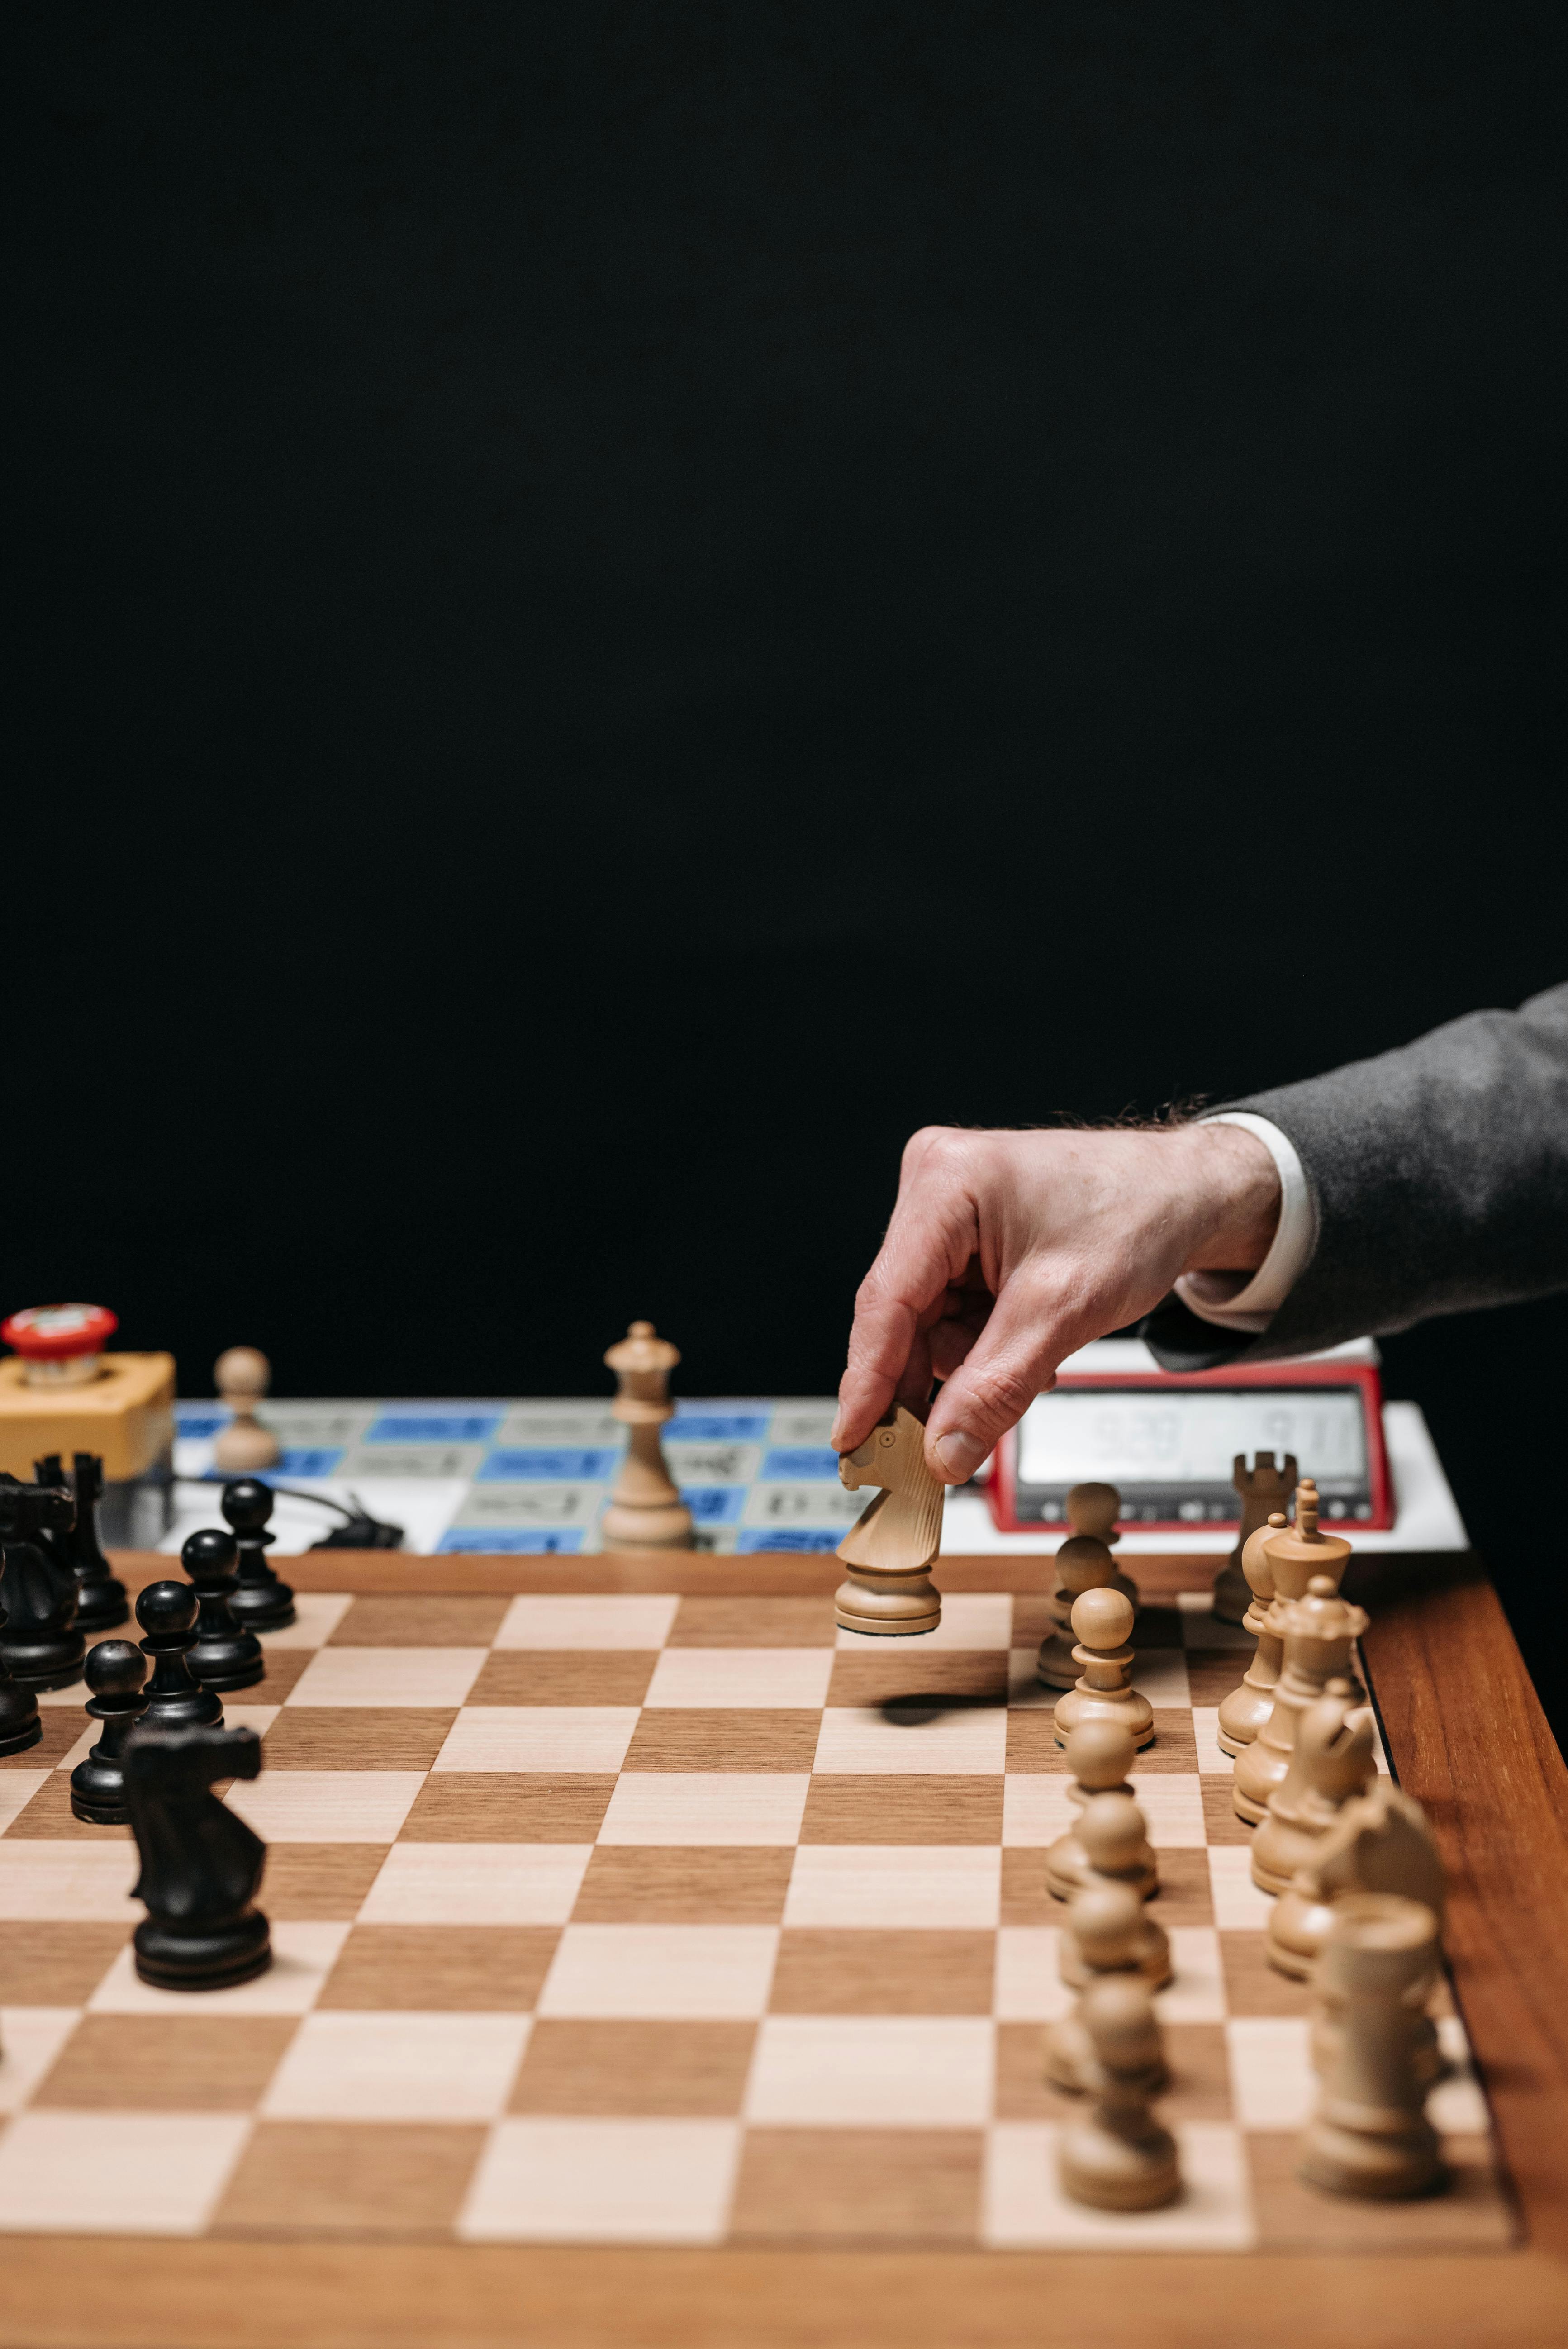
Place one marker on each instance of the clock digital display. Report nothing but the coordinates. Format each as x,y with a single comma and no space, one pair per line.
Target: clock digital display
1170,1451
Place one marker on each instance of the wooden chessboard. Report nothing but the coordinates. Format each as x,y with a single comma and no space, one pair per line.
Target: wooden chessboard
622,1904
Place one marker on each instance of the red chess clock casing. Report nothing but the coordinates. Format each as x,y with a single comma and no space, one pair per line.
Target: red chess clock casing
1268,1397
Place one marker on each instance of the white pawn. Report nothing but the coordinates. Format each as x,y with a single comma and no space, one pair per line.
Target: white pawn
241,1377
1099,1755
1110,1932
1102,1620
1116,1845
1119,2157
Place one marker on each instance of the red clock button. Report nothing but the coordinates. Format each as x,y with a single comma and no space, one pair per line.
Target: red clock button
57,1333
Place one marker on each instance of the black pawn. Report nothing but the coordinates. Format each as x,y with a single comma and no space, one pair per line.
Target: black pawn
223,1657
114,1671
263,1602
19,1724
167,1613
41,1646
101,1602
201,1863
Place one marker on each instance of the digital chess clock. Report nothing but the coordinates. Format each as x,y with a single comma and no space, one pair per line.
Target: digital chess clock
1168,1440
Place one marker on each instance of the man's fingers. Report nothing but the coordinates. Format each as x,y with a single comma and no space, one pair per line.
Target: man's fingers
1012,1361
928,1246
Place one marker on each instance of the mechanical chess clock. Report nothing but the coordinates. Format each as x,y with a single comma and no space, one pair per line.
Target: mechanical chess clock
1168,1440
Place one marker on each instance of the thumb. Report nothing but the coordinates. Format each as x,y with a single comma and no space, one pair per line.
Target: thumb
1012,1361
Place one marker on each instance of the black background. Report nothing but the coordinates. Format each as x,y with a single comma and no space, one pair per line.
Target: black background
623,602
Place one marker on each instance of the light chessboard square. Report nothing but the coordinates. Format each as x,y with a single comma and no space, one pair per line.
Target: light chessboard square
387,1676
477,1884
390,2066
873,2070
586,1619
951,1887
541,1738
678,1806
720,1973
763,1678
138,2173
626,2180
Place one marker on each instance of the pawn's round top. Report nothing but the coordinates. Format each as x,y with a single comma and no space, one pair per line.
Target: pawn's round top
114,1667
247,1504
241,1375
1118,2012
1094,1509
1108,1920
209,1553
1111,1831
1099,1754
165,1607
1102,1619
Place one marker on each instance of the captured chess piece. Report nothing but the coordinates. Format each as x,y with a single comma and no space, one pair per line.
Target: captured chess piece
225,1656
262,1602
1369,2135
889,1548
41,1646
241,1377
167,1613
645,1510
1319,1631
1099,1755
1249,1704
1380,1842
1119,2157
1330,1762
1261,1488
201,1863
114,1671
1102,1620
101,1602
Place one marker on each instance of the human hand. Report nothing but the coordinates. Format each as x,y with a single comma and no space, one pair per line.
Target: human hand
1009,1250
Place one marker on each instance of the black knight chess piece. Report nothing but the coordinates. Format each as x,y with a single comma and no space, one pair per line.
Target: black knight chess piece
101,1602
114,1671
224,1656
201,1864
41,1645
175,1699
263,1602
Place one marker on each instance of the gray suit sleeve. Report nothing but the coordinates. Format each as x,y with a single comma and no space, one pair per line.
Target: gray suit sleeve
1439,1176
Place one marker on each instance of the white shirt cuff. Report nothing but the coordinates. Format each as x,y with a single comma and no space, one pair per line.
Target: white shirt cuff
1247,1302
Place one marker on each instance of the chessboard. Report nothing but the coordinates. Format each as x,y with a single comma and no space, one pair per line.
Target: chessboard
624,1903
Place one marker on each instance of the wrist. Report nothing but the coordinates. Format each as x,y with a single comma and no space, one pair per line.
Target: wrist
1237,1196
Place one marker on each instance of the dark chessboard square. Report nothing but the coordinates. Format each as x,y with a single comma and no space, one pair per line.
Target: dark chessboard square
51,1963
284,1668
753,1623
1175,1746
320,1880
1033,1619
474,1969
1185,1896
564,1676
908,2185
969,1672
1213,1673
507,1806
192,2063
1221,1824
351,2177
412,1619
1474,2214
863,1806
712,1737
49,1815
863,1971
1157,1627
668,1884
1032,1742
1023,2092
636,2068
1255,1987
1024,1900
60,1726
356,1737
